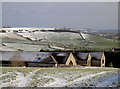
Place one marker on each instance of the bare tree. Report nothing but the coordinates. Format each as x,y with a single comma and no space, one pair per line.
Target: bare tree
17,60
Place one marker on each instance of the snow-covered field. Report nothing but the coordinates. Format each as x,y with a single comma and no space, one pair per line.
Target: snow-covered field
40,40
59,77
36,39
50,35
55,38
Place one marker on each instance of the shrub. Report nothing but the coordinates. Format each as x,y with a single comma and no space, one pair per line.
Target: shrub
17,60
110,64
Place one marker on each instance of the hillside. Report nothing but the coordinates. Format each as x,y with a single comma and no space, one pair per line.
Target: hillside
35,39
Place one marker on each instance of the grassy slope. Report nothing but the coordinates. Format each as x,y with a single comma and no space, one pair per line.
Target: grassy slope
101,42
60,41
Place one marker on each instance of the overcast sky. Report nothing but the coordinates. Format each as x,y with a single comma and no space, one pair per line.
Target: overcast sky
96,15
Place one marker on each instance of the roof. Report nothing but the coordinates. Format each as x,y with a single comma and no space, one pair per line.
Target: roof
97,55
27,56
60,57
40,59
46,60
82,56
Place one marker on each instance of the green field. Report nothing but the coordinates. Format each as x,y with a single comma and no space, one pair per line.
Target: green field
101,42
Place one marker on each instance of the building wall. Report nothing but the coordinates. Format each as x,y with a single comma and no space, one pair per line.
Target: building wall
71,59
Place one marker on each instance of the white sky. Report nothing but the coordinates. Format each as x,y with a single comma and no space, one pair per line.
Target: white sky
97,15
60,0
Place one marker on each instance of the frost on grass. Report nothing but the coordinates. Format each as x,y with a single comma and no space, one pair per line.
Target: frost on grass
59,77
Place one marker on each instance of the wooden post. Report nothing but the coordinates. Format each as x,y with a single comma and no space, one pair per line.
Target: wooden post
55,61
89,60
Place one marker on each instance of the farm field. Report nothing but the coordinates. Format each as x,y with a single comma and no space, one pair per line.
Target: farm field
59,77
36,41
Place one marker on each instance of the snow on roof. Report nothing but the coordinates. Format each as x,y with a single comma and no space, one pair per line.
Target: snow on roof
61,54
96,55
27,56
82,55
34,56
